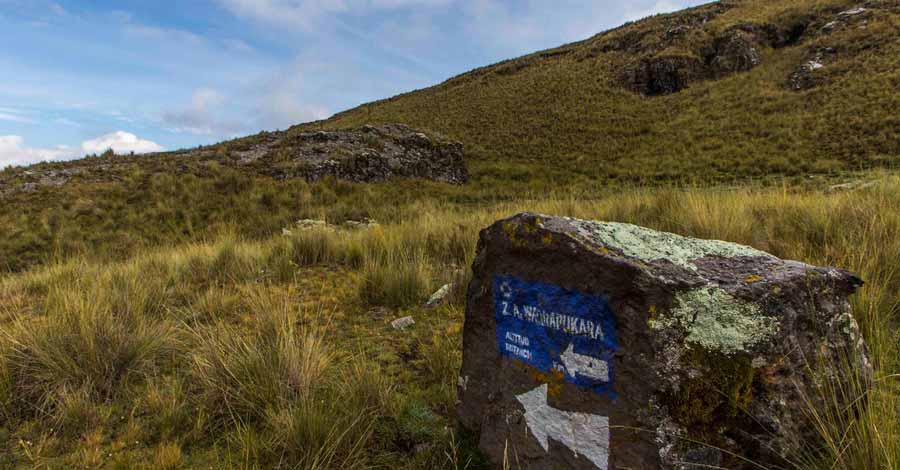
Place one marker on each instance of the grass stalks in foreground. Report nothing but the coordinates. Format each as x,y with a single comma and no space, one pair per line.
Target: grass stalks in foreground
285,393
212,354
80,346
856,424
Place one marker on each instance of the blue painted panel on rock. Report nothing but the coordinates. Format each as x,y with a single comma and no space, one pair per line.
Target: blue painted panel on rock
551,328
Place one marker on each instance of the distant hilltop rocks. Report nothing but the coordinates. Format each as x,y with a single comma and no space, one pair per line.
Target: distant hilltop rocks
676,50
364,155
367,154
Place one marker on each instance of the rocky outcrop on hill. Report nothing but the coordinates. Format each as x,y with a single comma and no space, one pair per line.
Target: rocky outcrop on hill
804,76
681,49
42,176
662,75
827,47
364,155
735,51
700,57
368,154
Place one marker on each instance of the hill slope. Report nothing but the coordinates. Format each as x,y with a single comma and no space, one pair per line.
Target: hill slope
721,92
728,89
199,333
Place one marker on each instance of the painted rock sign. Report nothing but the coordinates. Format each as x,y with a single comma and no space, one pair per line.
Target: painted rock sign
611,346
551,328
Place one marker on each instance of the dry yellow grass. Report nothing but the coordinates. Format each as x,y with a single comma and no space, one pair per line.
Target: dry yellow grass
260,353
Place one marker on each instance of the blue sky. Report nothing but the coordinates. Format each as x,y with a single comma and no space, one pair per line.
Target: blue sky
79,76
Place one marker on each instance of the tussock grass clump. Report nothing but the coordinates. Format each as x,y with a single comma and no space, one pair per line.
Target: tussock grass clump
81,345
402,283
213,304
315,246
280,265
285,394
243,375
141,288
441,360
234,262
318,435
168,456
170,415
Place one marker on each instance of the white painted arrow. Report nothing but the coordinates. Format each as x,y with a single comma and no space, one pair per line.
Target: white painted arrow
583,433
591,367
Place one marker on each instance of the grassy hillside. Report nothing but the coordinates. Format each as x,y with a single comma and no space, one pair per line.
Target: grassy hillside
155,317
279,353
576,119
566,112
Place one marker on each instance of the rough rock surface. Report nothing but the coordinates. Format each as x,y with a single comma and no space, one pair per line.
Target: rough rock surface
735,51
362,155
607,345
673,52
663,75
401,324
440,297
804,76
825,49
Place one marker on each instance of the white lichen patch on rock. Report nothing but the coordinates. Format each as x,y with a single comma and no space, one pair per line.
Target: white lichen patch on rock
650,245
717,321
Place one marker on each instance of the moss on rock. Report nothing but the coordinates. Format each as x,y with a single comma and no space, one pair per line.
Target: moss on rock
718,321
649,245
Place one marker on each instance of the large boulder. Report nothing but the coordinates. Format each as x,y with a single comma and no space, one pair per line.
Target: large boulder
364,155
608,345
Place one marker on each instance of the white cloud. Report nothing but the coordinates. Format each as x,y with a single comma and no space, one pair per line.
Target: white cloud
14,152
15,118
201,117
285,98
58,9
523,26
504,23
120,142
15,115
306,13
65,121
638,11
238,46
154,33
302,13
